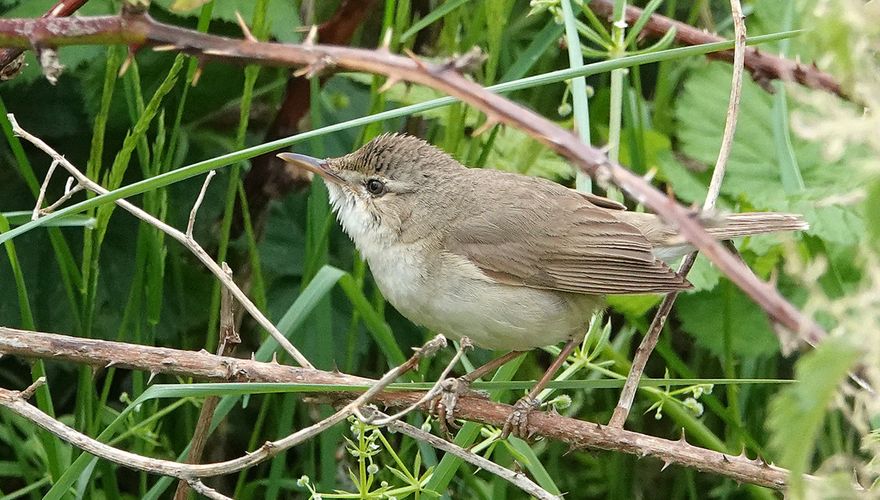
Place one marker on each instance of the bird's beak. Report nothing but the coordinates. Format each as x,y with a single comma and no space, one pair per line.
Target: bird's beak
314,165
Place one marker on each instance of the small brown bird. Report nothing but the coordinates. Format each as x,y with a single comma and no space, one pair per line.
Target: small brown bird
510,261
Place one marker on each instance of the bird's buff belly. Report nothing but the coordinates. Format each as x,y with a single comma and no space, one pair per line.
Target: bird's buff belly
492,315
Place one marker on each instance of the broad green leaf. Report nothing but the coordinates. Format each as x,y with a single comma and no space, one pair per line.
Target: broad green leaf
798,411
706,315
753,171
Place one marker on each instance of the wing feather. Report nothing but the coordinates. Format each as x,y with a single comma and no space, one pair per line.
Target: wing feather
551,237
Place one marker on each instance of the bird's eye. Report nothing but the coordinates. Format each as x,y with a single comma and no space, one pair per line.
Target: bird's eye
375,187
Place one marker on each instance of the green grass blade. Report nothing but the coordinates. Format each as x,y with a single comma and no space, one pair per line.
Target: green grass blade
581,106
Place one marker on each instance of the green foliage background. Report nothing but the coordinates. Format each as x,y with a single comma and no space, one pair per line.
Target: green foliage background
104,275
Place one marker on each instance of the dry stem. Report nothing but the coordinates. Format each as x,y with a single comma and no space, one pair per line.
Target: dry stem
649,342
183,238
763,66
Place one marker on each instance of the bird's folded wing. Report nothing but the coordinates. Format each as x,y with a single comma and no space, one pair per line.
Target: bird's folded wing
561,243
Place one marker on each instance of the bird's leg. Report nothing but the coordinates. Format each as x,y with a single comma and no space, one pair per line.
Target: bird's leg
455,387
518,421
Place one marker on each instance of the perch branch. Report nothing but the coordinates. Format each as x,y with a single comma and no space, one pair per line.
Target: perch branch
205,366
649,342
138,29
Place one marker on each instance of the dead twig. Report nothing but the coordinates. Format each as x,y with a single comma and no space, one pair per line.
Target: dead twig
229,339
649,342
183,238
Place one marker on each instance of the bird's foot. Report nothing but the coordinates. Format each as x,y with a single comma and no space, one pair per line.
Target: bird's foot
517,422
444,405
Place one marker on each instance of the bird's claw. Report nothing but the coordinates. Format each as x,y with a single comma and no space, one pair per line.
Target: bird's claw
445,404
517,422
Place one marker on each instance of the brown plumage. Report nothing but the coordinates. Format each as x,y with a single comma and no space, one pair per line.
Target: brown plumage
511,261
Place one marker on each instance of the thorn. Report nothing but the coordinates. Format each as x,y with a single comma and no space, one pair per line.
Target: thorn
198,74
165,48
244,28
725,459
468,62
682,438
153,374
665,465
123,68
487,125
110,364
310,70
598,426
274,358
415,59
390,82
386,40
312,37
253,356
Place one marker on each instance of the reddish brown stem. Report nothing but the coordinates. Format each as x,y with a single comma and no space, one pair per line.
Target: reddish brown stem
763,67
62,8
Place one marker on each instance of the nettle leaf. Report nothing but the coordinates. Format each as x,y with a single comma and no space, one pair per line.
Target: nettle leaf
709,316
798,411
753,173
704,275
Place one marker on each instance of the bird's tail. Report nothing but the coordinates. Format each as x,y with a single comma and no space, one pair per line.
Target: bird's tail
746,224
668,244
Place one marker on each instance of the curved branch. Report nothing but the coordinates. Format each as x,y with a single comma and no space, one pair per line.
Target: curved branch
137,29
